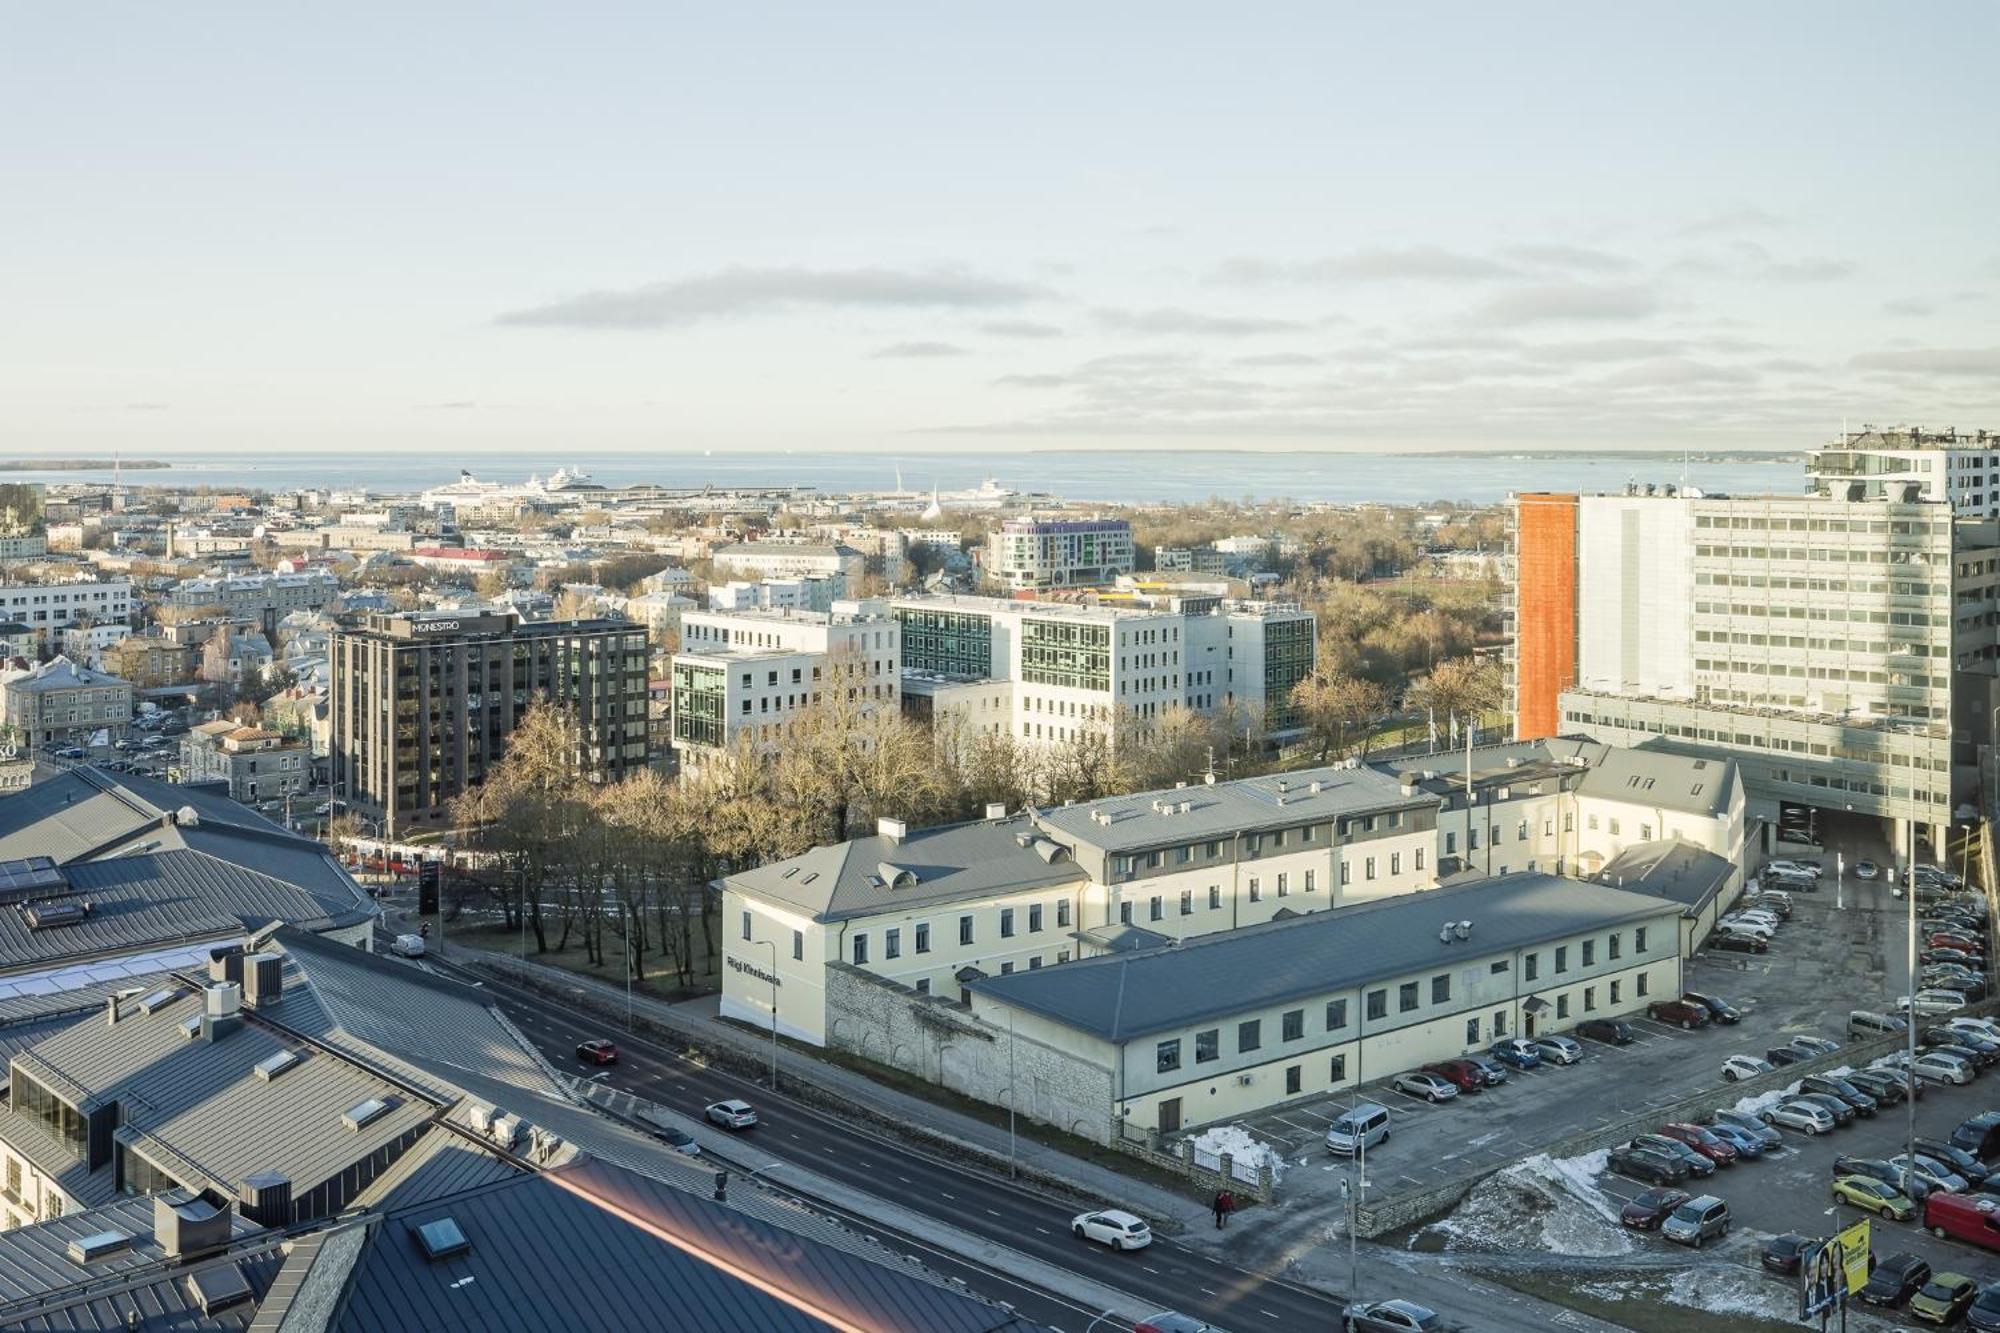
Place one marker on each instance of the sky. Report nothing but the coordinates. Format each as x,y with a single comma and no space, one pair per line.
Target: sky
985,228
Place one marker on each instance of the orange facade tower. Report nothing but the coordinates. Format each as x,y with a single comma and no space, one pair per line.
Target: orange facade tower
1544,610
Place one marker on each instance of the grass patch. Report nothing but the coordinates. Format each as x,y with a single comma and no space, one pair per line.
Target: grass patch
661,985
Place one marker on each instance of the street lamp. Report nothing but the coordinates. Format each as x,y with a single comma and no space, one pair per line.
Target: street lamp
772,945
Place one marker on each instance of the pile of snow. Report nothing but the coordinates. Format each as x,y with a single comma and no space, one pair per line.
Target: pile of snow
1548,1204
1578,1175
1764,1101
1246,1152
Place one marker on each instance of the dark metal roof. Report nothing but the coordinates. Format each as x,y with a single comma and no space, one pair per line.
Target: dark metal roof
1675,870
617,1250
87,809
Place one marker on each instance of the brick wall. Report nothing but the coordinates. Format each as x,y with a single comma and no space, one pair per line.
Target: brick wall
1545,611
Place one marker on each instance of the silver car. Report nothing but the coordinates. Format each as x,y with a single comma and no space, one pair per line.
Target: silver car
1561,1050
1430,1087
1803,1116
732,1114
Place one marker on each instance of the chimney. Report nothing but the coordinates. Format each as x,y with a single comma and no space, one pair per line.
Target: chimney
187,1224
111,1010
263,979
221,1009
266,1199
895,830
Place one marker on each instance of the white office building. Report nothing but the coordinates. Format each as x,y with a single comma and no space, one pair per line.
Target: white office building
1959,468
1032,554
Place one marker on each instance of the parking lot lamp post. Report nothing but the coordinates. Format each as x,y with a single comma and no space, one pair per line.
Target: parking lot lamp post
772,945
1910,1017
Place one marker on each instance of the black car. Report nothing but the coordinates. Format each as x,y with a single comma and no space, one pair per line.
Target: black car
1955,1157
1979,1135
1783,1254
1648,1164
1719,1009
1835,1086
1896,1279
1980,1050
1886,1089
1871,1167
1737,943
1780,1056
1985,1312
1837,1107
1614,1030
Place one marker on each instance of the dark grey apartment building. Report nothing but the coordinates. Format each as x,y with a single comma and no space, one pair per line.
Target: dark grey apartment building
423,703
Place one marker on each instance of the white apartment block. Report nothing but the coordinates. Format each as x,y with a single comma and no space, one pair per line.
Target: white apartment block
1959,468
789,560
757,670
51,606
815,592
266,598
1029,554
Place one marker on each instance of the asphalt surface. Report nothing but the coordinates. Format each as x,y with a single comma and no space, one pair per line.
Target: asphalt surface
971,1201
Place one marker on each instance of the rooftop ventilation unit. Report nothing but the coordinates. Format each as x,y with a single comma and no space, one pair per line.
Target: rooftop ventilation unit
441,1238
191,1026
46,916
996,809
480,1116
187,817
263,979
158,1000
364,1113
186,1223
271,1066
505,1128
895,830
98,1245
216,1289
1463,930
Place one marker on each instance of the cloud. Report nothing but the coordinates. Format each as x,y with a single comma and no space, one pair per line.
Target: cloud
1970,362
1676,372
1566,301
148,407
1581,258
1607,349
1413,263
1033,381
1809,270
1020,328
740,291
1730,222
1908,305
456,405
1175,320
916,350
1278,359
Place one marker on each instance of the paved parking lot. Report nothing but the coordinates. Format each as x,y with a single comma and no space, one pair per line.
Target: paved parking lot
1843,949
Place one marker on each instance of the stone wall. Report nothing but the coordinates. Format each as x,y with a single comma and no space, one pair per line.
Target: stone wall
939,1041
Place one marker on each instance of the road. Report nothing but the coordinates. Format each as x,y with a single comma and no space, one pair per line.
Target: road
972,1201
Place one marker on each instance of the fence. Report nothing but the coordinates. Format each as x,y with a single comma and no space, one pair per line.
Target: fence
1208,1170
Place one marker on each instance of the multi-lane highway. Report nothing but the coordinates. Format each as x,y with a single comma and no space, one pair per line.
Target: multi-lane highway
958,1196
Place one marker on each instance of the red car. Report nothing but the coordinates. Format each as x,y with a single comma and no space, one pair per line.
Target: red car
1461,1074
1706,1142
598,1052
1951,939
1679,1012
1649,1209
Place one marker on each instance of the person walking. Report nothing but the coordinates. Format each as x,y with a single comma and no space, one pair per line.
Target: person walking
1217,1205
1225,1204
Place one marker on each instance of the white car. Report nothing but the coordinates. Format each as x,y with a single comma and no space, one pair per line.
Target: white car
1427,1086
1803,1116
1933,1002
1978,1027
1763,914
1739,1067
1866,870
1784,867
1942,1067
1114,1227
1734,925
1932,1173
1814,1045
1559,1050
408,946
732,1114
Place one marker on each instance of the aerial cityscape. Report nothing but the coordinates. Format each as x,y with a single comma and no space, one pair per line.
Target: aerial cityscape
1000,671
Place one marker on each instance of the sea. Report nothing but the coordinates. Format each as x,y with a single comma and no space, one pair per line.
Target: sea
1122,476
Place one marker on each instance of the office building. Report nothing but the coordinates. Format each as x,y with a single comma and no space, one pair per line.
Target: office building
422,703
1032,554
51,606
264,599
61,703
1959,468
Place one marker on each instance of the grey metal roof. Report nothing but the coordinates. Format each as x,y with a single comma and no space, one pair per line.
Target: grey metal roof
48,1155
1511,763
1673,869
88,809
956,862
1122,996
35,1267
1279,800
593,1269
196,1107
1698,786
438,1165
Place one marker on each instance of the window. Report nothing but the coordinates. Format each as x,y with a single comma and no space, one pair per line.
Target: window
1214,897
1472,1031
1589,998
1309,881
1639,940
1378,1004
1531,967
1562,958
799,945
1562,1007
1292,1083
1368,868
1336,1015
923,937
1035,962
1499,1023
892,943
1294,1024
1614,826
1450,843
1589,953
1256,890
923,985
1207,1045
1034,917
1498,968
746,925
1441,988
860,950
965,930
1282,889
1406,997
1187,902
1006,923
1614,992
1395,863
1641,987
1125,914
1167,1056
1006,969
1420,858
1346,872
1249,1035
1614,945
1153,909
1062,913
1338,1070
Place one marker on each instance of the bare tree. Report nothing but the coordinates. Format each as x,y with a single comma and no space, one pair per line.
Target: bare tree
1336,708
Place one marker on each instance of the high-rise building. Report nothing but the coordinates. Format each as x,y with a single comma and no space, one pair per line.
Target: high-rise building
1028,554
1833,646
423,703
1959,468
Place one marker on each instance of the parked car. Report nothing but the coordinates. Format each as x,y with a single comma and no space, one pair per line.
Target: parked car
1731,942
1809,869
1700,1219
1749,1124
1739,1067
1430,1087
1699,1165
1835,1086
1984,1313
1559,1050
1678,1012
1783,1254
1170,1321
678,1139
1944,1299
1394,1317
1982,1027
1977,1050
1806,1117
735,1113
1614,1030
1358,1129
1886,1088
408,946
1651,1207
1719,1009
1496,1073
1736,925
1518,1052
1780,1056
1746,1143
1873,1167
1973,1218
1955,1157
1937,957
1874,1196
1703,1140
597,1051
1777,902
1930,1174
1837,1107
1895,1280
1461,1074
1648,1164
1814,1045
1113,1227
1942,1067
1979,1135
1934,1000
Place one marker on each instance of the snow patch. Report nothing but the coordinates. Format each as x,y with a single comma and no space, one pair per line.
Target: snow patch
1540,1203
1245,1151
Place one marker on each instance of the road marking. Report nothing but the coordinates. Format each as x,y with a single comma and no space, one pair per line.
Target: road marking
991,1213
1045,1231
947,1194
906,1180
1267,1314
1208,1291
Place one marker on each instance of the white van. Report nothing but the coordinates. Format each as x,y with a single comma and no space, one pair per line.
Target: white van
1863,1024
409,946
1358,1129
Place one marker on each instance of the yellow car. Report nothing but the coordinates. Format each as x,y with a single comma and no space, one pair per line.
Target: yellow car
1873,1196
